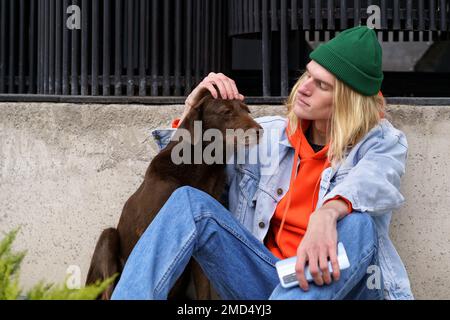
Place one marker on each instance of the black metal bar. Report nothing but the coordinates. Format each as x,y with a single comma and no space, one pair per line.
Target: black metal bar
306,23
251,16
432,15
201,52
118,48
65,57
21,87
284,49
12,35
356,12
330,10
58,29
58,37
166,52
94,47
130,83
384,19
136,39
188,50
409,17
147,35
244,11
221,34
32,49
74,57
294,13
421,13
265,49
443,11
257,16
214,36
46,47
317,14
41,79
207,34
343,14
2,45
142,45
154,69
106,84
177,57
232,16
197,35
39,47
84,47
273,15
51,49
240,17
396,18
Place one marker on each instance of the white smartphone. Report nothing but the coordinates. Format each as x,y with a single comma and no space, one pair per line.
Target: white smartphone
286,268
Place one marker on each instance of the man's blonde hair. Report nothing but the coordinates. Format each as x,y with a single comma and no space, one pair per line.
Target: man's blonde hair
353,115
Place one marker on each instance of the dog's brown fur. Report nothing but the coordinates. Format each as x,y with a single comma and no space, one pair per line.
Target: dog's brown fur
161,179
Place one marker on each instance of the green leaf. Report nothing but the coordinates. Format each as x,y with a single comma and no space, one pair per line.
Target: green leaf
9,279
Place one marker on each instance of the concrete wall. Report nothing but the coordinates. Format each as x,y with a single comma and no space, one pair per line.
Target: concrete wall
66,170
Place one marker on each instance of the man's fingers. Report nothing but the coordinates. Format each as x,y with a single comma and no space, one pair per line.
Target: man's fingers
211,89
334,264
300,270
235,90
314,268
220,85
217,84
323,264
231,90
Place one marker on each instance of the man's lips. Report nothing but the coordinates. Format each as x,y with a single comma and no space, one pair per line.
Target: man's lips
302,101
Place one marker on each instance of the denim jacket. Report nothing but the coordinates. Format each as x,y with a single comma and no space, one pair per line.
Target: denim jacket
369,178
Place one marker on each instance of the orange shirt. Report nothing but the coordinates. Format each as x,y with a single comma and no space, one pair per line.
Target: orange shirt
305,191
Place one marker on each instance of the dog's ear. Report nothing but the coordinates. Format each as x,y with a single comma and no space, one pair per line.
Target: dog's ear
205,97
196,115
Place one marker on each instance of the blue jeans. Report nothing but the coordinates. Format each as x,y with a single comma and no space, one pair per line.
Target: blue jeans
193,224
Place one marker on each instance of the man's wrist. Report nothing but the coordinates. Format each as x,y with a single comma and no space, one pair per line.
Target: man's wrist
336,208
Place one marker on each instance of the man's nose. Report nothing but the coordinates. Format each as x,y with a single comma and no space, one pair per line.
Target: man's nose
305,88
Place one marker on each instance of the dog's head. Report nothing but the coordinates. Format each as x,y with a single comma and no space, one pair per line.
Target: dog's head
231,117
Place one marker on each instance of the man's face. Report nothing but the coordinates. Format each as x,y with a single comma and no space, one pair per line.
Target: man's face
314,98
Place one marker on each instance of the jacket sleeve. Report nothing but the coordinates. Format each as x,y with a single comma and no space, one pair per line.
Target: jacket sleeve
372,185
162,137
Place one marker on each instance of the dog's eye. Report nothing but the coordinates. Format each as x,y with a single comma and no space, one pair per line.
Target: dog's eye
228,111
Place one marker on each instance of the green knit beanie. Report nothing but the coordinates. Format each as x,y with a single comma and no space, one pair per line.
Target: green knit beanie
355,57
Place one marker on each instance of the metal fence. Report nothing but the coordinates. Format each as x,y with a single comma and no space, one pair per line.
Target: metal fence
123,47
405,17
156,48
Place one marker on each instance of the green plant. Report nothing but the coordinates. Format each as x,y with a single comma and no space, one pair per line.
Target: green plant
9,279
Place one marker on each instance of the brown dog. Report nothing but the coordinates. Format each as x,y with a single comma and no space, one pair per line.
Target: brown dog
161,179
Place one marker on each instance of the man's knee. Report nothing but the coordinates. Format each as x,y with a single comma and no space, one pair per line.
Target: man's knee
360,226
189,192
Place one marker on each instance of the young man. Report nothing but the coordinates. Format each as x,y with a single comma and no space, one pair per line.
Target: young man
337,180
